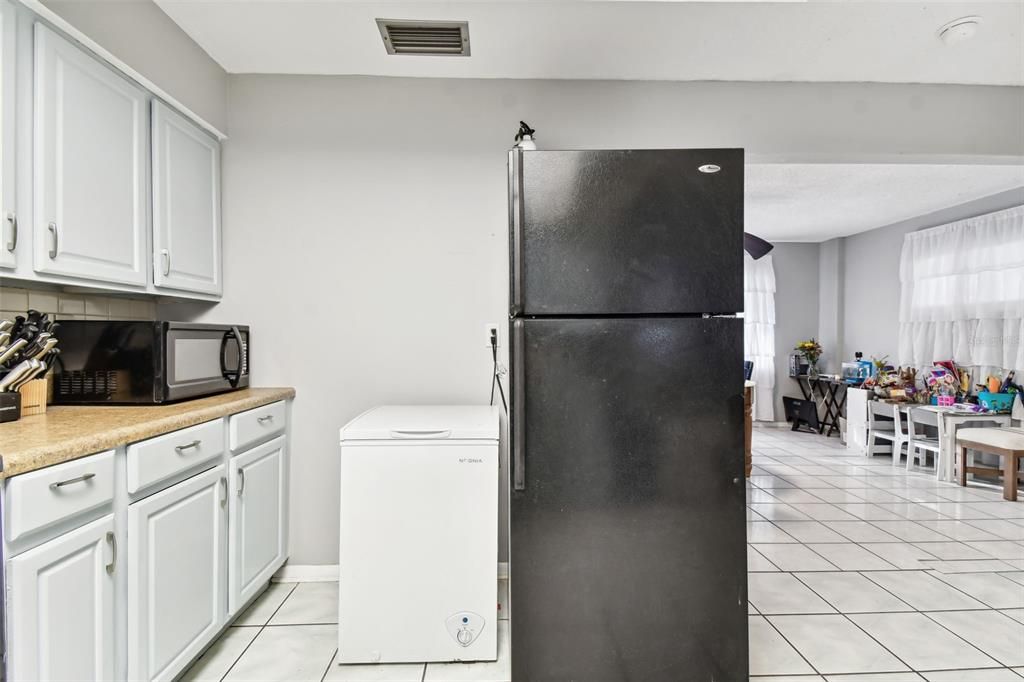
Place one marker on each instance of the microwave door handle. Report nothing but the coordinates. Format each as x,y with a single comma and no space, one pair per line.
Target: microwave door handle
232,375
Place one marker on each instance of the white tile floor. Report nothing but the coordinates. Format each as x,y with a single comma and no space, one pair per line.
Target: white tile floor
858,572
291,633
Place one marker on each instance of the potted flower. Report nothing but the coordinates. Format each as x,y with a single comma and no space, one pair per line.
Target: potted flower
812,351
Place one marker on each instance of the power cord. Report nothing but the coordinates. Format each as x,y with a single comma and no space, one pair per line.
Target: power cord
497,372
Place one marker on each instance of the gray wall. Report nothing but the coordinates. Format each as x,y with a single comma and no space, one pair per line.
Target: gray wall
140,34
871,277
830,304
796,309
373,211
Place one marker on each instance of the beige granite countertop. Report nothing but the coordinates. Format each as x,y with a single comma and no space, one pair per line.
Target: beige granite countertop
66,432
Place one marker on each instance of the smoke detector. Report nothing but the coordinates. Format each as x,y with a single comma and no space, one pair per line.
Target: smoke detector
437,38
959,30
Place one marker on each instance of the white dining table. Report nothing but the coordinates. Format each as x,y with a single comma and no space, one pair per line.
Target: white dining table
949,420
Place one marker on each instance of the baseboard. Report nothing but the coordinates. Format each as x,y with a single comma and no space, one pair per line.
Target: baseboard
293,573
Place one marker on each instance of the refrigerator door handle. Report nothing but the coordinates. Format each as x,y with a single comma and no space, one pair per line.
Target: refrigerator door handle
518,409
515,218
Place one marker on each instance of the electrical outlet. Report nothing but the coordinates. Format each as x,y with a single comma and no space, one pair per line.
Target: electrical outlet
492,333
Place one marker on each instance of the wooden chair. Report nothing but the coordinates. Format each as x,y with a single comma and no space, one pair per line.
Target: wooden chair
1007,443
919,444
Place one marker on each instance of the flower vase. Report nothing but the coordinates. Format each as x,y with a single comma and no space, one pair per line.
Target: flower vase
812,370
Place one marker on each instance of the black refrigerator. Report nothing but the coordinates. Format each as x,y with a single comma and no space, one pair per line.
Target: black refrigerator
627,557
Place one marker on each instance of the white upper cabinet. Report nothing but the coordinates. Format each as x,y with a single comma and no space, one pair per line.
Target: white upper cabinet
62,607
8,215
186,204
89,167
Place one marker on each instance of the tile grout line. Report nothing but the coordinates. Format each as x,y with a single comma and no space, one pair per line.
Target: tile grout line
847,541
329,663
922,569
983,652
262,628
791,646
857,625
914,610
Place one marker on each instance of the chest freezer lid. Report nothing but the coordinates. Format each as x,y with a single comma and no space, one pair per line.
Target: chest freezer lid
424,422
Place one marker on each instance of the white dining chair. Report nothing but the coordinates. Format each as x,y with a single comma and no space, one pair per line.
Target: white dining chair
880,428
901,434
920,444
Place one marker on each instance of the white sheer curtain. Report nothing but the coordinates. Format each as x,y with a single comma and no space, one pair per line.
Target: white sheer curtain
962,293
759,331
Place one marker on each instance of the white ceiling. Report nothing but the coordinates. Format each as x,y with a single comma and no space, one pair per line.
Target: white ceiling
894,42
815,202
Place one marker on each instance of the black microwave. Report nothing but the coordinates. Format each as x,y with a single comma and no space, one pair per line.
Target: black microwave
135,362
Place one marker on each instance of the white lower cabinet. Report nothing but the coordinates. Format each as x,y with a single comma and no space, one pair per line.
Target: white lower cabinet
176,578
62,606
193,553
256,534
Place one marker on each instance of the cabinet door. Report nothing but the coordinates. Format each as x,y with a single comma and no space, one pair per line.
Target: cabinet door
176,574
62,607
186,204
257,520
90,217
8,216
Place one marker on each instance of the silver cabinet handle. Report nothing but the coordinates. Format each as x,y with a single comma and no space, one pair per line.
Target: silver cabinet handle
12,241
241,481
166,260
112,539
223,490
52,227
265,418
182,448
77,479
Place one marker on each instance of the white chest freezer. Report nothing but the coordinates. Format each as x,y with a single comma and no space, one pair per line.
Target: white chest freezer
419,535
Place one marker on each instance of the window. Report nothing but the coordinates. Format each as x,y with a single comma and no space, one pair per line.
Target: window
759,331
962,293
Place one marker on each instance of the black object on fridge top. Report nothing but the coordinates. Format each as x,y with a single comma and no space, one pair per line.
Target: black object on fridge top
145,362
628,555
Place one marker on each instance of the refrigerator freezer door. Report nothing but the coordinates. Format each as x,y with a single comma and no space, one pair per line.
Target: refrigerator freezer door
627,538
626,232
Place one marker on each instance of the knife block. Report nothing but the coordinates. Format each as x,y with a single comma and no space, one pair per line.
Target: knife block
33,397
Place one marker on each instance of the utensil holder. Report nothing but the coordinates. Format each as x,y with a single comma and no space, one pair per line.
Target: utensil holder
33,397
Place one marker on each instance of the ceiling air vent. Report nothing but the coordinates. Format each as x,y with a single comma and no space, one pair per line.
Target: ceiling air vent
446,38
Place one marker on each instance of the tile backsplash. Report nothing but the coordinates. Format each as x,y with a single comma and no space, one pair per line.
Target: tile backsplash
73,306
